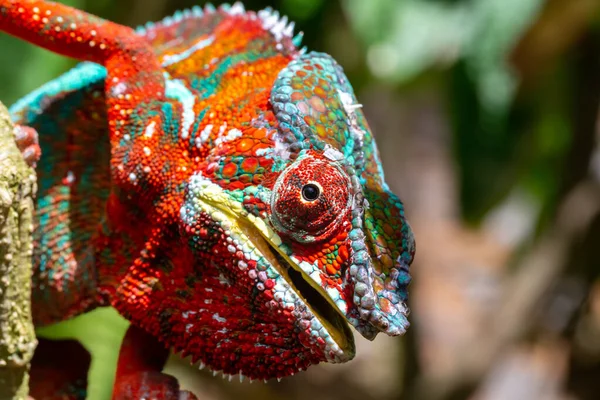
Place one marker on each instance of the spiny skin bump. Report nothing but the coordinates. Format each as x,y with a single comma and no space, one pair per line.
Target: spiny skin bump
236,210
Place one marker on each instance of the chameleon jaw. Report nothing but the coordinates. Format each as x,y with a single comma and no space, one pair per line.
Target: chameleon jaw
314,311
311,295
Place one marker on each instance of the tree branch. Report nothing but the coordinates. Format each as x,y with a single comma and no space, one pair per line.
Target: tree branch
17,336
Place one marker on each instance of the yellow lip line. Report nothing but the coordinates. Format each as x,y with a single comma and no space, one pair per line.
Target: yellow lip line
343,339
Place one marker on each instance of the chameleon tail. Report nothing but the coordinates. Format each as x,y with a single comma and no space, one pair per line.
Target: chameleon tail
128,58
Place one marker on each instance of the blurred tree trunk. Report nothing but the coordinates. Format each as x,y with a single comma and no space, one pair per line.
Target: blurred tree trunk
17,336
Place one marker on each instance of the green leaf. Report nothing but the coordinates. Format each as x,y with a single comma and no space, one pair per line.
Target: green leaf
100,332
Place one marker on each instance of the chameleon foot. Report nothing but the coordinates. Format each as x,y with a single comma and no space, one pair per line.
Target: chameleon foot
150,385
27,142
139,375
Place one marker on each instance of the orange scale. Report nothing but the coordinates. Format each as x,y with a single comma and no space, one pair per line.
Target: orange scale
321,130
309,120
249,165
319,91
311,82
386,261
229,170
324,84
297,96
245,179
388,229
331,269
342,235
257,133
244,145
236,185
269,117
343,252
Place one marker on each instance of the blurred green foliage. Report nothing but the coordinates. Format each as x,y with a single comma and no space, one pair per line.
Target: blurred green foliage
471,39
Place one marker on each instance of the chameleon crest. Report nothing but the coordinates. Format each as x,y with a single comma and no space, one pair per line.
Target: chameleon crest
216,184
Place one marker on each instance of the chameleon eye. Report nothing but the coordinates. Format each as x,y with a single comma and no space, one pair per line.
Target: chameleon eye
311,192
310,199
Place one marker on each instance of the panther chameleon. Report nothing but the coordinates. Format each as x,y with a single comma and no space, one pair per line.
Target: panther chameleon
216,184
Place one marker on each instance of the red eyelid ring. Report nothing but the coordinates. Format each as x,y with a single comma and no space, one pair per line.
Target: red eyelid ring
309,221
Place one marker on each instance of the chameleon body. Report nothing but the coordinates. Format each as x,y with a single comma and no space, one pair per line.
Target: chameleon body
216,184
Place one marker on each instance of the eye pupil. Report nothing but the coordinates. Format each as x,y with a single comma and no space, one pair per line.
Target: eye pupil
310,192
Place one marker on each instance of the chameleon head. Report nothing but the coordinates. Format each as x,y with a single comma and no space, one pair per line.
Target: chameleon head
345,228
315,243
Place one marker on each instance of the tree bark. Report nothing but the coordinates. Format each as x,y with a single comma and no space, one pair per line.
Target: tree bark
17,336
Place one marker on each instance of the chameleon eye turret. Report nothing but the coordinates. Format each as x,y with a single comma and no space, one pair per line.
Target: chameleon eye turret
311,200
369,254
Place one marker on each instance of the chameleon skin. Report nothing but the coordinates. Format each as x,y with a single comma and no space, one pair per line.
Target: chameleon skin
191,217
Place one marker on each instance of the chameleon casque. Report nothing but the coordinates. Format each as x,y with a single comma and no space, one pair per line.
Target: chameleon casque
216,184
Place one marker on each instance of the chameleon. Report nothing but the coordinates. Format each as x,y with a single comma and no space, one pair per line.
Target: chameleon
214,182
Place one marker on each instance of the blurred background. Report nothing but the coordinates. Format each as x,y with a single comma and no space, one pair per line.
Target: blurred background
486,116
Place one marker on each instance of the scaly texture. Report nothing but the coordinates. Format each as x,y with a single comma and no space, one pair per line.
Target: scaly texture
236,210
17,338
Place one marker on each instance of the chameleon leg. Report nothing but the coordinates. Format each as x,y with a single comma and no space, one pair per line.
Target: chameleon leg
59,370
139,374
128,58
28,144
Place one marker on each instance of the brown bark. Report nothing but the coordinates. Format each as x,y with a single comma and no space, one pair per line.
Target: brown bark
17,336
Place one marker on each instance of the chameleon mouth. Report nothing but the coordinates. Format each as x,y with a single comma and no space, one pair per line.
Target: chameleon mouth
313,296
329,315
